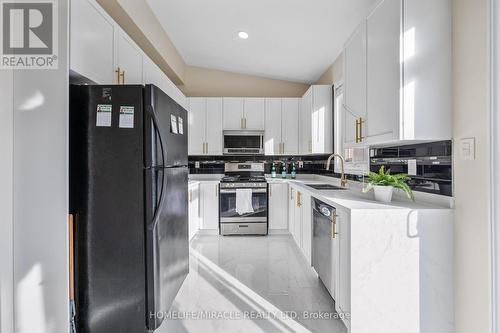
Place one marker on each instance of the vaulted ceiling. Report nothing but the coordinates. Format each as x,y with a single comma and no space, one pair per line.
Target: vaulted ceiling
294,40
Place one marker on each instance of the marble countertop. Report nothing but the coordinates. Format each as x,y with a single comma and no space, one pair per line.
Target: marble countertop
353,197
205,178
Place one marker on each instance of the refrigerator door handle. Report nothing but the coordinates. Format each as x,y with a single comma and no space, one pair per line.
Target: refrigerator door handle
160,202
157,129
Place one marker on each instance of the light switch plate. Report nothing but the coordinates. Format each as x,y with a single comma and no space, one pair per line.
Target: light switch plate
468,149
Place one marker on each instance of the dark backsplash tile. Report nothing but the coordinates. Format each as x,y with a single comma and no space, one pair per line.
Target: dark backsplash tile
434,166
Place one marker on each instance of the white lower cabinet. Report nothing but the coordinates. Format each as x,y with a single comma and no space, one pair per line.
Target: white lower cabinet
209,204
194,209
301,221
278,206
291,209
342,265
306,225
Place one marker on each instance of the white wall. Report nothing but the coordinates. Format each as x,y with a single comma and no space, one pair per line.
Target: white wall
40,194
471,178
6,146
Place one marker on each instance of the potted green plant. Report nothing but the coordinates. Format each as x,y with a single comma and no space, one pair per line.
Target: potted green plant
383,184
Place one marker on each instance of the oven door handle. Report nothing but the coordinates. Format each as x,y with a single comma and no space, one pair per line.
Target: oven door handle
263,190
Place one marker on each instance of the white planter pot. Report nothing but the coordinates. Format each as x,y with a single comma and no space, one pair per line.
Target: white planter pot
383,193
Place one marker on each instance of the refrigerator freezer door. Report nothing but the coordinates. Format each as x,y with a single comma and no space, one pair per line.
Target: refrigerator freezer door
167,246
172,122
107,197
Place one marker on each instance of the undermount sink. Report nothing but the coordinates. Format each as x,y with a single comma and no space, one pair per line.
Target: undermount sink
326,187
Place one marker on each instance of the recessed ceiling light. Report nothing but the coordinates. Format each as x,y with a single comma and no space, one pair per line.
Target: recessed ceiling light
243,35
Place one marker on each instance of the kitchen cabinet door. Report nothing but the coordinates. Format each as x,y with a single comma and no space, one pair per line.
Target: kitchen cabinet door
384,70
129,60
197,126
291,209
194,209
350,128
355,71
272,136
278,206
306,227
322,120
152,73
305,127
210,203
290,125
233,113
343,274
297,228
254,113
214,126
92,42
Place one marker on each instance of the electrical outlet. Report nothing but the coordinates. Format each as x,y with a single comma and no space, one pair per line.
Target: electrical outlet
197,165
301,164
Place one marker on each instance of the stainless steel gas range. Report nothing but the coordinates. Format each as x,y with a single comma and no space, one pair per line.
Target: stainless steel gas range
243,200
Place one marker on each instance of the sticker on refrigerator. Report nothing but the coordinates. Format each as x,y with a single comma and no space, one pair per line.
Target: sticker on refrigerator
126,117
180,124
173,124
103,118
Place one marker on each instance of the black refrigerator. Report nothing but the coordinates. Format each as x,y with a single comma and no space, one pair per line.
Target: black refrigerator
128,193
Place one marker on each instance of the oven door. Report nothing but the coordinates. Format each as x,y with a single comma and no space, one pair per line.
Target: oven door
228,212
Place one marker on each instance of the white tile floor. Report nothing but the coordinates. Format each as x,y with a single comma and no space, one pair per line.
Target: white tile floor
239,277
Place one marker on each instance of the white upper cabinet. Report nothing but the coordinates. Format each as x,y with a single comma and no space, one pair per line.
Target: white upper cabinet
384,74
408,77
103,53
254,113
233,113
197,125
305,130
272,139
92,42
129,60
282,126
355,72
244,113
205,126
316,125
214,126
322,120
290,125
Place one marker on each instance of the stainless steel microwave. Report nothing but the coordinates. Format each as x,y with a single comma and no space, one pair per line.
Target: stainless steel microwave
243,142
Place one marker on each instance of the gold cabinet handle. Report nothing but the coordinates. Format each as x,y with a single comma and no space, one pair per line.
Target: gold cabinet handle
299,199
118,75
283,149
241,123
361,122
245,123
291,194
207,146
190,195
357,130
216,190
270,190
123,77
334,226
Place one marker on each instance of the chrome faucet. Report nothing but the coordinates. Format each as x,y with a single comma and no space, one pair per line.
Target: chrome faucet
343,180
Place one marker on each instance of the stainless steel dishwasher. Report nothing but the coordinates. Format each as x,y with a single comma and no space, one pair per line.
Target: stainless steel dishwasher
324,237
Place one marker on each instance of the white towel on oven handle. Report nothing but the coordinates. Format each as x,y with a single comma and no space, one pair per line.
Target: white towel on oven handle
244,201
